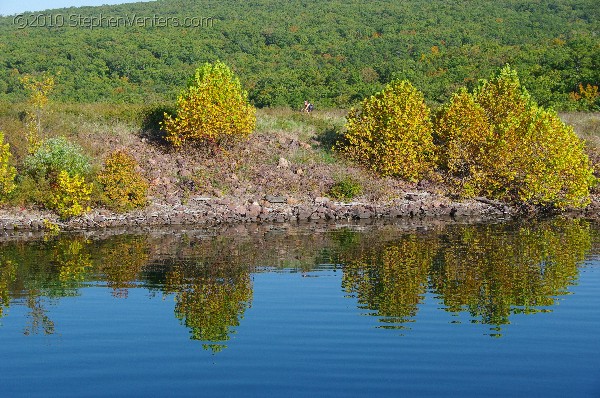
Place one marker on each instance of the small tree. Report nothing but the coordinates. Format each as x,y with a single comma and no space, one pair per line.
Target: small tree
391,133
55,155
39,88
7,171
497,142
213,109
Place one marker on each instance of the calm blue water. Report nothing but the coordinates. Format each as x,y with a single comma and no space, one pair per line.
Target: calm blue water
297,323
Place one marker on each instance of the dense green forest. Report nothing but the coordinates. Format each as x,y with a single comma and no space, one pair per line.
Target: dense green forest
333,53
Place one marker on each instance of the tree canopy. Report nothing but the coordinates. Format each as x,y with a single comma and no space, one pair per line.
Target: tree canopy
332,52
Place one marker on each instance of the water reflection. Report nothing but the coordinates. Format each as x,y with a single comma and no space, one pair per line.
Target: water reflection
489,272
493,275
390,278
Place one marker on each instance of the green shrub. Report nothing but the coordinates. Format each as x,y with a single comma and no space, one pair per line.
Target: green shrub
55,155
30,191
214,109
345,189
55,178
7,171
497,142
391,133
124,188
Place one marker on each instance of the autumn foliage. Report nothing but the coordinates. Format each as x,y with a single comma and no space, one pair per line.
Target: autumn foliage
7,171
124,187
214,109
499,143
391,133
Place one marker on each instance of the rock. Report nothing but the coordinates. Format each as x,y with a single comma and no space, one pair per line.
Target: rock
362,213
275,199
294,144
283,163
253,210
304,214
321,199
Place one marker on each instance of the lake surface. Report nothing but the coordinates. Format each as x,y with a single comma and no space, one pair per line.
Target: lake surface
382,310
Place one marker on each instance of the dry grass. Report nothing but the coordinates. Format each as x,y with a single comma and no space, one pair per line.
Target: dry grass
585,124
248,170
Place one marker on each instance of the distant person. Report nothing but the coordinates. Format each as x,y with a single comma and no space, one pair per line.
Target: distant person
308,107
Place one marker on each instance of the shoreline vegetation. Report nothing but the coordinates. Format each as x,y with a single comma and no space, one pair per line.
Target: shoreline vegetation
288,180
212,159
420,110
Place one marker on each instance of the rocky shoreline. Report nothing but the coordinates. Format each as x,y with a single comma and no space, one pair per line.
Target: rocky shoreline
209,211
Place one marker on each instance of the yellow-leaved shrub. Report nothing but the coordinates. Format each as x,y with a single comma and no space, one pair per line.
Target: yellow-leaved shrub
70,195
498,143
124,188
392,133
214,109
7,171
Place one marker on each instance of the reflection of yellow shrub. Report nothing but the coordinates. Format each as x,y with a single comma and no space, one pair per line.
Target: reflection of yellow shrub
494,275
213,109
391,134
72,259
122,260
124,187
7,172
71,195
497,142
392,278
7,276
211,304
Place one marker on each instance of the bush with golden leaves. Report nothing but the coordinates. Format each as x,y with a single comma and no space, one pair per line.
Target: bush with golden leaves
7,171
392,133
124,188
70,196
498,143
214,109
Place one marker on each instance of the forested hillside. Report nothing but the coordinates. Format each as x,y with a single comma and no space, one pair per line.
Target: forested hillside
331,52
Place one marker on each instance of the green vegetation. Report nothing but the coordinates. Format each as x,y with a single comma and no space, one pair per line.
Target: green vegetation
346,188
333,53
391,133
55,155
54,177
214,109
401,59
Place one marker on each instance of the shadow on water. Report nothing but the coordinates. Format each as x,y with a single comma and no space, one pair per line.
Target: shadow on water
489,272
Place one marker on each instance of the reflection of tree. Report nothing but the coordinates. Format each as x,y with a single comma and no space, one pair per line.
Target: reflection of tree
491,271
494,273
391,279
121,260
72,260
210,299
38,319
7,275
